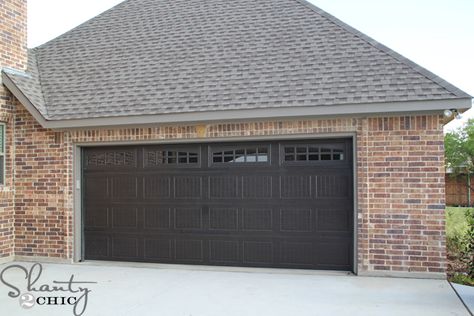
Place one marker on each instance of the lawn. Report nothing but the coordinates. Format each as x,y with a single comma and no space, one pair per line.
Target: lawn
456,223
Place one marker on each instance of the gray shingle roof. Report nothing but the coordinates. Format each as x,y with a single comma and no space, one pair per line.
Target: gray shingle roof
173,56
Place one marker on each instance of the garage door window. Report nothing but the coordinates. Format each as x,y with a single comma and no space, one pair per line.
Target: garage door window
241,155
172,157
310,153
111,159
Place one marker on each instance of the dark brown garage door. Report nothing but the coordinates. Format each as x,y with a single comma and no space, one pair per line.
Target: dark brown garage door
285,204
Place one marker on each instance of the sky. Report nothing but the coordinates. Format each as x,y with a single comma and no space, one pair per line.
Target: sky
436,34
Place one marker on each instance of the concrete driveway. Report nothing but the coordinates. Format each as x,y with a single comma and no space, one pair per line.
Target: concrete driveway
187,291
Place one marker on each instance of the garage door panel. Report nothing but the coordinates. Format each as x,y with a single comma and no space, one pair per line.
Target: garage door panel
334,219
124,187
298,220
224,218
333,186
295,187
257,187
188,218
334,253
97,217
157,187
224,187
297,253
224,251
258,252
188,187
97,246
125,247
245,204
160,249
96,187
189,250
157,218
257,219
125,217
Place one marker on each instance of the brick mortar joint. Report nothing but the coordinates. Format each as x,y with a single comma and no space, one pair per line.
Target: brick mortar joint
7,191
5,117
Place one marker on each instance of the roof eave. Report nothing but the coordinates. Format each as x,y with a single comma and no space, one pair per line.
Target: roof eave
283,113
391,108
24,100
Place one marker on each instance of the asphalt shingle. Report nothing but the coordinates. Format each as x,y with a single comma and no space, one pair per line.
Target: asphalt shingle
173,56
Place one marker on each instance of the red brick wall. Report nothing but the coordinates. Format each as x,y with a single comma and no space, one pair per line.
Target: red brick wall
400,183
13,55
13,52
42,211
404,217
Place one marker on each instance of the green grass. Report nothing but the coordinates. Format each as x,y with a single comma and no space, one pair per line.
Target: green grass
456,224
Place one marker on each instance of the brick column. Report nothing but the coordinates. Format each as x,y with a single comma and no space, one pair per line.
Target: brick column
405,213
13,54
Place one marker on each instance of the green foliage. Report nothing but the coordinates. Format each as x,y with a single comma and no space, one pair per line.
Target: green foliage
459,149
456,224
459,152
469,243
460,244
461,278
455,243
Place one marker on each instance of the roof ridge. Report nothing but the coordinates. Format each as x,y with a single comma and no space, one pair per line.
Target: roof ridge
385,49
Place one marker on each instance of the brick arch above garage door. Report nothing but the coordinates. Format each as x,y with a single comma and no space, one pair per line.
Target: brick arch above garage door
282,204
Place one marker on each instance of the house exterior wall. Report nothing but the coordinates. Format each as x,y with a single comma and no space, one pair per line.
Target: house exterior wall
399,176
12,54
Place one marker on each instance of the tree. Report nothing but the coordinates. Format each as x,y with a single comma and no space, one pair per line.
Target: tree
459,148
459,153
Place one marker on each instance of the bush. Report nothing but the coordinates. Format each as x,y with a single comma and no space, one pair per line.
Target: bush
455,244
468,252
460,245
462,279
